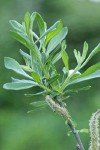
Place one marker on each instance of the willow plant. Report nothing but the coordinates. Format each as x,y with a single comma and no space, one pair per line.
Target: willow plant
44,51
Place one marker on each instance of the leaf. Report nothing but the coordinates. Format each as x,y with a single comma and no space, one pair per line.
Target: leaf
56,58
78,57
53,79
26,68
43,57
27,22
90,73
21,37
85,50
19,84
17,26
38,104
41,24
26,57
54,32
52,54
65,59
36,77
36,65
75,75
57,40
64,70
25,54
40,93
32,17
83,130
76,90
12,64
91,70
82,89
95,51
53,27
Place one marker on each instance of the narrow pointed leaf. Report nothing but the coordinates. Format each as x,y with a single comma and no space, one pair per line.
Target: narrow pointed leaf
95,51
53,79
38,104
91,70
85,50
21,37
76,54
26,68
52,54
17,26
90,73
65,59
43,57
19,85
56,58
57,40
41,24
36,77
54,32
76,90
32,17
53,27
40,93
25,54
12,64
27,58
27,22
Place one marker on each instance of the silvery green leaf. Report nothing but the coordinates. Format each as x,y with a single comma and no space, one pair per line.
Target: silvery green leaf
27,21
43,57
90,73
76,90
53,32
85,50
65,59
25,54
27,58
36,77
91,70
36,94
53,27
54,42
64,70
26,68
37,104
17,26
12,64
56,58
19,84
41,24
21,37
95,51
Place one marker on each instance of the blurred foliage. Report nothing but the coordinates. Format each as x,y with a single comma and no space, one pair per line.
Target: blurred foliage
43,129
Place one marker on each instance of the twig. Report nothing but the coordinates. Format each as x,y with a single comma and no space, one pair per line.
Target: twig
63,112
74,131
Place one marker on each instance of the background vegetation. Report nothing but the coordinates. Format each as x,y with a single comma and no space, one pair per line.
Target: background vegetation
44,130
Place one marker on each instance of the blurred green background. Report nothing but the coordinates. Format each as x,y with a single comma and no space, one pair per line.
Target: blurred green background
43,129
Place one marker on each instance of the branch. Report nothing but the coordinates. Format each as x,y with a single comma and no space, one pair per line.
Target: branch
64,113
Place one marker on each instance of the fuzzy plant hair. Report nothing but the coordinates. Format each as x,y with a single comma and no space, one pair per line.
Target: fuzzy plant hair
94,131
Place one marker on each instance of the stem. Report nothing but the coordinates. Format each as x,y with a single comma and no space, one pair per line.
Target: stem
64,113
77,137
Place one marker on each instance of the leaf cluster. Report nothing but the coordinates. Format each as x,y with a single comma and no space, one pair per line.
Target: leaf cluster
44,51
